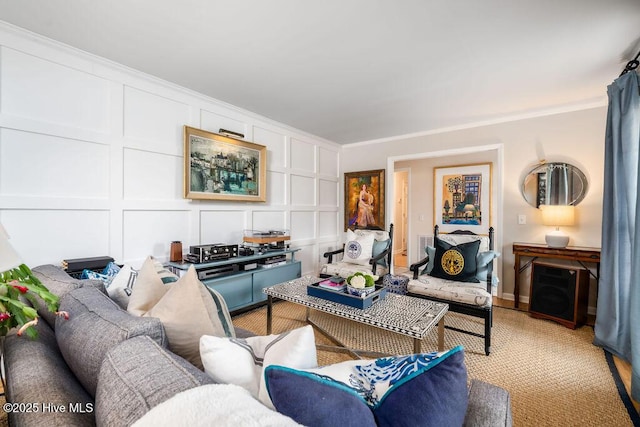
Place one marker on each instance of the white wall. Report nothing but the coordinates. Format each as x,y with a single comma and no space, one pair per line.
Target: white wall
91,163
575,137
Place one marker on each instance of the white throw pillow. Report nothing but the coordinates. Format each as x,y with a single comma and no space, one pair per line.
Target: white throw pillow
242,361
120,287
358,248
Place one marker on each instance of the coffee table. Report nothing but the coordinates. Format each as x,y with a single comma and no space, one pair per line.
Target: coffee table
401,314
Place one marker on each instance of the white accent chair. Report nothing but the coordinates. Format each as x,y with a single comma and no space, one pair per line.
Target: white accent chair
361,254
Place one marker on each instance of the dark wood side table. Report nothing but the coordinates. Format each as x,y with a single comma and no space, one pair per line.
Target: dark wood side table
534,251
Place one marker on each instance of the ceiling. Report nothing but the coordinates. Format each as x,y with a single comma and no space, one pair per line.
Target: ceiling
360,70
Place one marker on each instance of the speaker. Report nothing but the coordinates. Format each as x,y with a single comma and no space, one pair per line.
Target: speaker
559,293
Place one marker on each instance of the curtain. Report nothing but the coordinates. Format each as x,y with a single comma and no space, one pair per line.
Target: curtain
617,327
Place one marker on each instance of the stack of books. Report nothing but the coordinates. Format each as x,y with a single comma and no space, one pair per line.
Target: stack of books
328,284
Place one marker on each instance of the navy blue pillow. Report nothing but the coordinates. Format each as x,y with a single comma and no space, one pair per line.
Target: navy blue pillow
456,262
415,390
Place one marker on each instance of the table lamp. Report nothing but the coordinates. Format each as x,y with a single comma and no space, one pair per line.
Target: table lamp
557,215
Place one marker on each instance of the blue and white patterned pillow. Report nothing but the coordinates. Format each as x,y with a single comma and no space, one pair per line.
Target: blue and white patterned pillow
428,389
358,248
107,275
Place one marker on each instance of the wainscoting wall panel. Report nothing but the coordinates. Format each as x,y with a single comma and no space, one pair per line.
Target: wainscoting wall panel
38,89
276,147
327,224
277,189
213,122
222,226
150,232
308,254
154,122
162,181
303,156
48,236
91,163
328,162
268,220
33,164
303,191
328,193
303,225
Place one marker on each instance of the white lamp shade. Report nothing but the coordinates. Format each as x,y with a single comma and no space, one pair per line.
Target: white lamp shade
558,215
9,258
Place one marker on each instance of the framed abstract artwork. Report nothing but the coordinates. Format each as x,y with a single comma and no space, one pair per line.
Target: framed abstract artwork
462,198
364,202
217,167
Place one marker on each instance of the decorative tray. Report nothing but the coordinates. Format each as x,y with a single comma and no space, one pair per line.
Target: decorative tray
343,297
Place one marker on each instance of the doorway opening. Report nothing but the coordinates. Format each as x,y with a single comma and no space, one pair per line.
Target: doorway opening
401,221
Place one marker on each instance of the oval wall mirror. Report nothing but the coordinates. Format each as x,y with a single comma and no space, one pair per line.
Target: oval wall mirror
554,184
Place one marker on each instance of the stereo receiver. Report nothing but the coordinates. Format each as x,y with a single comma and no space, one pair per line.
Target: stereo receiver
209,253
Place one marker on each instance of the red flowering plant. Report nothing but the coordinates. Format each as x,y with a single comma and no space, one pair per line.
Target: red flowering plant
18,291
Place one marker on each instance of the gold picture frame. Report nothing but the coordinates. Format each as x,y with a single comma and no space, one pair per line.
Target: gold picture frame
217,167
364,204
462,197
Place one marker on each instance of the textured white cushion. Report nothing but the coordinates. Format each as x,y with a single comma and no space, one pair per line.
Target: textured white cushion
358,248
213,405
464,292
345,269
378,235
242,361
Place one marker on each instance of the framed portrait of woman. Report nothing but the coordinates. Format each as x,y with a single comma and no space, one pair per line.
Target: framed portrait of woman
364,199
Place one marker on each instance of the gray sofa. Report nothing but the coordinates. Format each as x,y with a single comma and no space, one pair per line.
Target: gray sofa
103,366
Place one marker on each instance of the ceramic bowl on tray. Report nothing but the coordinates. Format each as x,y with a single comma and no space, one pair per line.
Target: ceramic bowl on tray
360,292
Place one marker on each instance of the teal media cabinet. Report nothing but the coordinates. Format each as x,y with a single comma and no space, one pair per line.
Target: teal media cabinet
240,280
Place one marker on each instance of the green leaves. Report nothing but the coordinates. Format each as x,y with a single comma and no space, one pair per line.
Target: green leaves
13,298
369,279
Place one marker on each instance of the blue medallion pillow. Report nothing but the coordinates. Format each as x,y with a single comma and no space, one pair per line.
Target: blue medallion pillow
428,389
483,259
456,262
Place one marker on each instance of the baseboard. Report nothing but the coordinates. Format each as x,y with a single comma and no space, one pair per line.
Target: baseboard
525,300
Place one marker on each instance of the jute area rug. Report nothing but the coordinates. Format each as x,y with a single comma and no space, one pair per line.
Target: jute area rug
555,375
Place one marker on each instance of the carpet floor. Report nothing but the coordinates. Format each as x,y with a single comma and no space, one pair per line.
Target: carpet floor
555,375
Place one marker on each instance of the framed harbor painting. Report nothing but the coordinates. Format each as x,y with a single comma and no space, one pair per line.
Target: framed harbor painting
462,198
364,199
217,167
